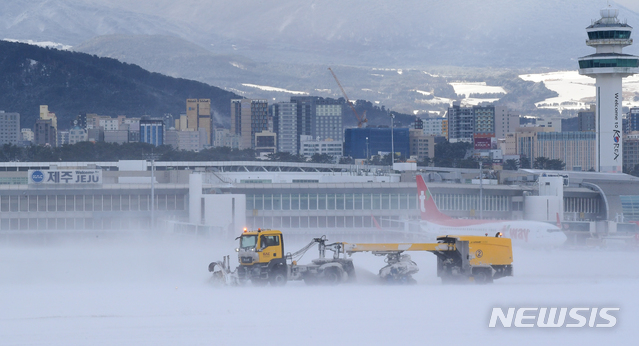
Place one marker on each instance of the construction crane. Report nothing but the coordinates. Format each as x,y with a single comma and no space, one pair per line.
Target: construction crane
360,120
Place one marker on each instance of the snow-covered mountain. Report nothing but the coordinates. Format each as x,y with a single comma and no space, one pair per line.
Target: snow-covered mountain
403,33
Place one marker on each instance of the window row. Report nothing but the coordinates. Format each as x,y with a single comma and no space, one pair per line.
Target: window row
43,224
323,222
471,202
581,205
630,207
609,63
331,201
609,34
26,203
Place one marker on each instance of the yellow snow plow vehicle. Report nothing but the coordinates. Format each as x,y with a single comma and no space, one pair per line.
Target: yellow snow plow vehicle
262,260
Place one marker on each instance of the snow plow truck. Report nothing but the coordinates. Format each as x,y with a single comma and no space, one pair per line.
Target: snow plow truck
262,260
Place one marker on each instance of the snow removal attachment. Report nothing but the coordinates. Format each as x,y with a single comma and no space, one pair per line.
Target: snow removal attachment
459,258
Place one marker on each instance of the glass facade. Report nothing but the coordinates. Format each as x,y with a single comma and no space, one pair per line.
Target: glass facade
331,201
609,34
357,146
61,211
630,207
451,202
581,205
609,63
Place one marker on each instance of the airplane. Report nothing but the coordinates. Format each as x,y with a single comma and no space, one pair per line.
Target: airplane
522,232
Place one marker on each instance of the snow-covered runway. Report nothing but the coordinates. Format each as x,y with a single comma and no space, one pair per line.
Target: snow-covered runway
140,291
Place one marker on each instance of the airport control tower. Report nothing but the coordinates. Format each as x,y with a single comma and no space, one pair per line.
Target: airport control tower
608,66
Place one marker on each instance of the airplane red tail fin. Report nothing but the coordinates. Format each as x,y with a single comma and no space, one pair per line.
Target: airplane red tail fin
376,223
426,203
558,221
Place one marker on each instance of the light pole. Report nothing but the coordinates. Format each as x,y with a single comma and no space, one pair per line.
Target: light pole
367,151
152,191
152,157
392,116
481,191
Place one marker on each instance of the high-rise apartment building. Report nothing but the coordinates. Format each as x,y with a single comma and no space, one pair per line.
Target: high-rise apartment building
633,119
433,126
586,120
318,117
285,126
631,150
44,133
328,121
461,123
466,123
422,145
248,117
46,115
505,122
305,114
9,128
198,115
575,149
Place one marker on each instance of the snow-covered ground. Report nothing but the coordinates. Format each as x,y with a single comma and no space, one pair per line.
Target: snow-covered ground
44,44
575,90
141,291
467,88
269,88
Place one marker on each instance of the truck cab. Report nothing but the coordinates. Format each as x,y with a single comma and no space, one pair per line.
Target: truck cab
261,257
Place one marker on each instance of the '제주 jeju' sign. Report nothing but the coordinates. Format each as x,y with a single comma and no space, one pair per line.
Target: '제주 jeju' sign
65,177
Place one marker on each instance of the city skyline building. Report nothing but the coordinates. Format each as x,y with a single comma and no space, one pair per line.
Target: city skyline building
46,115
152,131
285,125
633,119
198,114
248,117
609,66
44,133
10,128
362,143
586,120
77,134
311,146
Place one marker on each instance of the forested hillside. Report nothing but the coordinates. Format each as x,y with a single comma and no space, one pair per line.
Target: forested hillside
71,83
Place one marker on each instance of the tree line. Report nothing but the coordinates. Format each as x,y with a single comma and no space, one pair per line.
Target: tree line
102,151
452,155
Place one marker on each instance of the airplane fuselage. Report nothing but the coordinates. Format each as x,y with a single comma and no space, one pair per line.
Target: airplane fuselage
524,233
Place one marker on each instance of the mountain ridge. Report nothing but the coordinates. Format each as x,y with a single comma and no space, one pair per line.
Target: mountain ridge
71,83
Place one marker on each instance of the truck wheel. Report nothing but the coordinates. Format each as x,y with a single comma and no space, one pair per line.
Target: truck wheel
278,278
332,276
483,277
310,280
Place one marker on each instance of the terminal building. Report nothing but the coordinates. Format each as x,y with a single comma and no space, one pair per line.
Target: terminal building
301,199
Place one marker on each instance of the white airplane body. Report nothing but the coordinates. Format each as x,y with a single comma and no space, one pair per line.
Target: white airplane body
526,233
